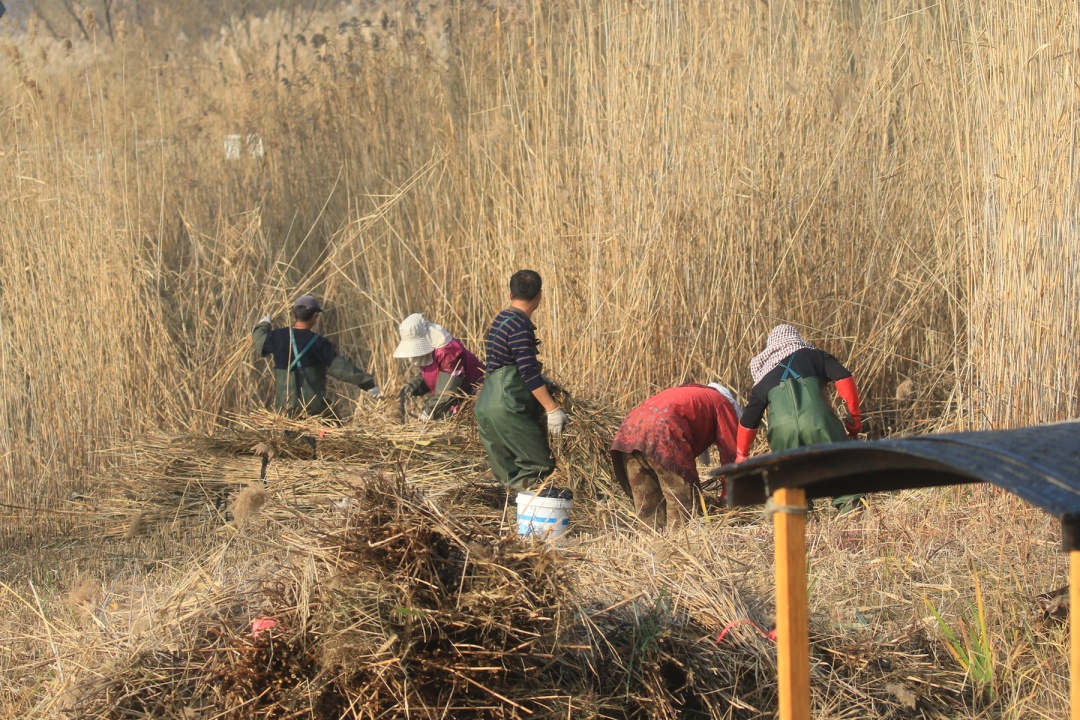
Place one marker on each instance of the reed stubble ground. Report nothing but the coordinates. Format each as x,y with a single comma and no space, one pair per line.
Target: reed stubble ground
894,179
363,558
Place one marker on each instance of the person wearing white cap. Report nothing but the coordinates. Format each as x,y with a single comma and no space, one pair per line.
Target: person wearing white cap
655,451
303,360
446,368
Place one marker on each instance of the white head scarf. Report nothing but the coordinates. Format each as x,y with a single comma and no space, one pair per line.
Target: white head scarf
730,396
783,341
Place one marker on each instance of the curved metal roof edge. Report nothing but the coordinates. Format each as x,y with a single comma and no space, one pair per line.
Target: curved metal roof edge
832,469
921,461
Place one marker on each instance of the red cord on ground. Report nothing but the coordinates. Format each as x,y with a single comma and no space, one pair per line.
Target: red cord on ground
771,634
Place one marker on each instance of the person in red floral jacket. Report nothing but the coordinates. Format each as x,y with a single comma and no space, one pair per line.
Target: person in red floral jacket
656,448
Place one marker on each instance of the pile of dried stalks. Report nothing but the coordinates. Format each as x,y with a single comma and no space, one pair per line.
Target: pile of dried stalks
408,597
404,608
393,607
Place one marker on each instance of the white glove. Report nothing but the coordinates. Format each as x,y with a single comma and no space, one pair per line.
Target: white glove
556,421
265,319
374,393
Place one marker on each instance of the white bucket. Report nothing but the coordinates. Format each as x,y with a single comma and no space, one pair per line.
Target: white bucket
546,517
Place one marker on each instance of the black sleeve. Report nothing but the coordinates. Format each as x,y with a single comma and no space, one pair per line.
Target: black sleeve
325,351
415,386
833,369
755,409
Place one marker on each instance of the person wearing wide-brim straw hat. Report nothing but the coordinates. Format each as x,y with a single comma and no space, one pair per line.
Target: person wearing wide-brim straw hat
304,359
655,451
790,379
447,370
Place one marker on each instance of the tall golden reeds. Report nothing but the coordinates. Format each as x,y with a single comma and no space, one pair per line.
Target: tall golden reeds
1021,112
683,174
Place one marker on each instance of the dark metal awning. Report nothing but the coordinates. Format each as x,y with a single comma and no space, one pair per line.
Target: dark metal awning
1040,464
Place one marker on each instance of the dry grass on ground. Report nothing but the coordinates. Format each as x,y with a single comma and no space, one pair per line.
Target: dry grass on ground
413,594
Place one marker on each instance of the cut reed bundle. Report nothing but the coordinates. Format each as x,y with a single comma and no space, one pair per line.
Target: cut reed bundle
392,602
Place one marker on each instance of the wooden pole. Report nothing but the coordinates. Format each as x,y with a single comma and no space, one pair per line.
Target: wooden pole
792,606
1074,634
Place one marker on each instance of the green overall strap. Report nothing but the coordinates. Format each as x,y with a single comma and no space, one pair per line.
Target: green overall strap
298,354
788,372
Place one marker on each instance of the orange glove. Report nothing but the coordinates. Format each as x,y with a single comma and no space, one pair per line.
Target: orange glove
847,390
743,442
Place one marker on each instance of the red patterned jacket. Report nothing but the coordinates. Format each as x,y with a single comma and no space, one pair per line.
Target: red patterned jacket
673,427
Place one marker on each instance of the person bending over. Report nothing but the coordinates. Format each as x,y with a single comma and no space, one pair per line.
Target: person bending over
790,380
446,370
656,448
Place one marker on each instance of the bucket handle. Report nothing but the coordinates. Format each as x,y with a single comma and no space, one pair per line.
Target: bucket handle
536,493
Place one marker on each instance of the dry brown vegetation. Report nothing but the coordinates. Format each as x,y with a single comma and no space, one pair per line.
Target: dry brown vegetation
414,595
898,179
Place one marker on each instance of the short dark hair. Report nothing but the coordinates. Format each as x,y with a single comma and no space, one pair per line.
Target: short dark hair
525,285
303,314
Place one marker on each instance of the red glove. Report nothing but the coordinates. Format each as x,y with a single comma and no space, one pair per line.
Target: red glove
847,390
743,443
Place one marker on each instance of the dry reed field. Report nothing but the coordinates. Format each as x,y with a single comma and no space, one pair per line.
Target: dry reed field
897,179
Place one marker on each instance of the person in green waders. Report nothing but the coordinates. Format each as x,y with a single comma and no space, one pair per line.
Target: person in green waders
790,379
303,360
515,411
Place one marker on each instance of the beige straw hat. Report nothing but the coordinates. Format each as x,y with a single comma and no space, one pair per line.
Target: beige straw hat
415,341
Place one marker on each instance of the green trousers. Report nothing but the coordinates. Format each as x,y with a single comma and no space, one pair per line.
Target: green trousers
799,416
513,429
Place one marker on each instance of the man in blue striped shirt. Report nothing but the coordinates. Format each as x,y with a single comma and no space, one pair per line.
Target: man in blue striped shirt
515,410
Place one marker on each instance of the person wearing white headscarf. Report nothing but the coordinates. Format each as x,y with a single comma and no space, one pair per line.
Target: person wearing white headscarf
445,368
790,379
655,450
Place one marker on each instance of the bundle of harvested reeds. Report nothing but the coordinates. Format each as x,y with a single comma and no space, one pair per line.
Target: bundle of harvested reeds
433,612
393,606
410,608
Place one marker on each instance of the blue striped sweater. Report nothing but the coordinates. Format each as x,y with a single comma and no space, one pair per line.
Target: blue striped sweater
512,341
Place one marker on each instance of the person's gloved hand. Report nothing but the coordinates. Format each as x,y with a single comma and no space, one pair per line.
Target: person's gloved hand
374,392
853,426
265,319
556,421
744,443
847,390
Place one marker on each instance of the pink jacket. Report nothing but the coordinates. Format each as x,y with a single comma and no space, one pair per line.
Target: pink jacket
453,359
